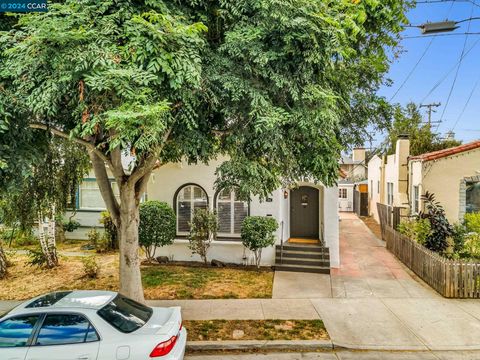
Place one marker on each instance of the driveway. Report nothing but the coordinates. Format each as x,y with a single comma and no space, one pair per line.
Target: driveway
374,302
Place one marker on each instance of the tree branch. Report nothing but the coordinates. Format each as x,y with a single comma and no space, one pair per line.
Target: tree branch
117,166
64,135
105,186
148,165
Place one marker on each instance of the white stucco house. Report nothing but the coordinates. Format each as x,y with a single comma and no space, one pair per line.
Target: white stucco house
307,215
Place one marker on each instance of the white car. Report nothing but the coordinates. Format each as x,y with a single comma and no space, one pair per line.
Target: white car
91,325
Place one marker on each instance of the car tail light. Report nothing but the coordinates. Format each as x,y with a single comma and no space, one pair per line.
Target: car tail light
164,348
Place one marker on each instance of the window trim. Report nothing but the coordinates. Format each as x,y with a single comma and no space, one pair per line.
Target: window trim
35,328
222,235
175,198
44,316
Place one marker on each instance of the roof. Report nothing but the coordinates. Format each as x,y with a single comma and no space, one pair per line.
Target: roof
434,155
84,299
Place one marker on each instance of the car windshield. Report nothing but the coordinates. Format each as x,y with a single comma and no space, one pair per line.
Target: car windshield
124,314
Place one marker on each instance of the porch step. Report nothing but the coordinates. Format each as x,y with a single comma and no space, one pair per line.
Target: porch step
303,268
303,248
307,262
303,255
313,258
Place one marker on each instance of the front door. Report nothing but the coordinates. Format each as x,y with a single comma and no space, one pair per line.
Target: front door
304,213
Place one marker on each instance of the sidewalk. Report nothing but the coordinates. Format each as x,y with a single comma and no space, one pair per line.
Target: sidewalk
371,302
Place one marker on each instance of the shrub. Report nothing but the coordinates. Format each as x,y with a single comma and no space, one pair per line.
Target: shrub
203,230
258,233
71,225
472,245
111,235
458,237
472,222
157,226
90,266
416,229
100,241
441,228
36,258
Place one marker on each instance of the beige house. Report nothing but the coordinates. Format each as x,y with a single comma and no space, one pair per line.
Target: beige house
453,175
388,179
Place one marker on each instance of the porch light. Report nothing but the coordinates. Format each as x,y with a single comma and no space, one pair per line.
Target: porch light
285,194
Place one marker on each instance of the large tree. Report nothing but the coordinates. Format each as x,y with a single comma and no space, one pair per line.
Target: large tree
280,86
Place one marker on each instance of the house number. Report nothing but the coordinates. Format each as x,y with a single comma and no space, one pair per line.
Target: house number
304,200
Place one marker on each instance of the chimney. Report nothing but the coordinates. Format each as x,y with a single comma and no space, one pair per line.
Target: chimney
358,154
402,152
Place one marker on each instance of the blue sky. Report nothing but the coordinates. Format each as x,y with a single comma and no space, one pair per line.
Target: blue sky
442,55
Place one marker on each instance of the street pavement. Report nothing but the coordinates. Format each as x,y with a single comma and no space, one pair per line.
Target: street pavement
347,355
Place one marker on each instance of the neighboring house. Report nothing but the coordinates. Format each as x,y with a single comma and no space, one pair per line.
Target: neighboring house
376,184
353,169
453,175
308,211
345,195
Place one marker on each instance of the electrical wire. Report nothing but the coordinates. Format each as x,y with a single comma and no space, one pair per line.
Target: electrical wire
466,103
440,35
413,69
439,82
444,1
456,73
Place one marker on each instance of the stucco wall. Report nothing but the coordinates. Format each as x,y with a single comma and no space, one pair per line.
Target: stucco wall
443,177
374,182
165,182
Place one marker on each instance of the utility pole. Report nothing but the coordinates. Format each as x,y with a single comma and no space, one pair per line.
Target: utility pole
430,111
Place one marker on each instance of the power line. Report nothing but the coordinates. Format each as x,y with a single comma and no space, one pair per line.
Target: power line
466,103
449,71
440,35
445,1
458,70
413,69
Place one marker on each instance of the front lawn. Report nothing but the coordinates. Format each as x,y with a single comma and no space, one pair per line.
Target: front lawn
217,330
160,281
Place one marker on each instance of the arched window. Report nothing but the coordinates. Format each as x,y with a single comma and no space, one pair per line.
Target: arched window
231,213
188,199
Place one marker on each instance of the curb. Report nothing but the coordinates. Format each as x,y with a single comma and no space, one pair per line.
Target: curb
260,345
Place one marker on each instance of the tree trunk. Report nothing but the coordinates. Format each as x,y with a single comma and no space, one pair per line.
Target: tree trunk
130,276
3,263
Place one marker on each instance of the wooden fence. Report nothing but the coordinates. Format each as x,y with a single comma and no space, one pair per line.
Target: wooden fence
450,278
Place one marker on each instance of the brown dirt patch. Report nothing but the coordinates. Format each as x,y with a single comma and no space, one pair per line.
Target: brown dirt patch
217,330
160,281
